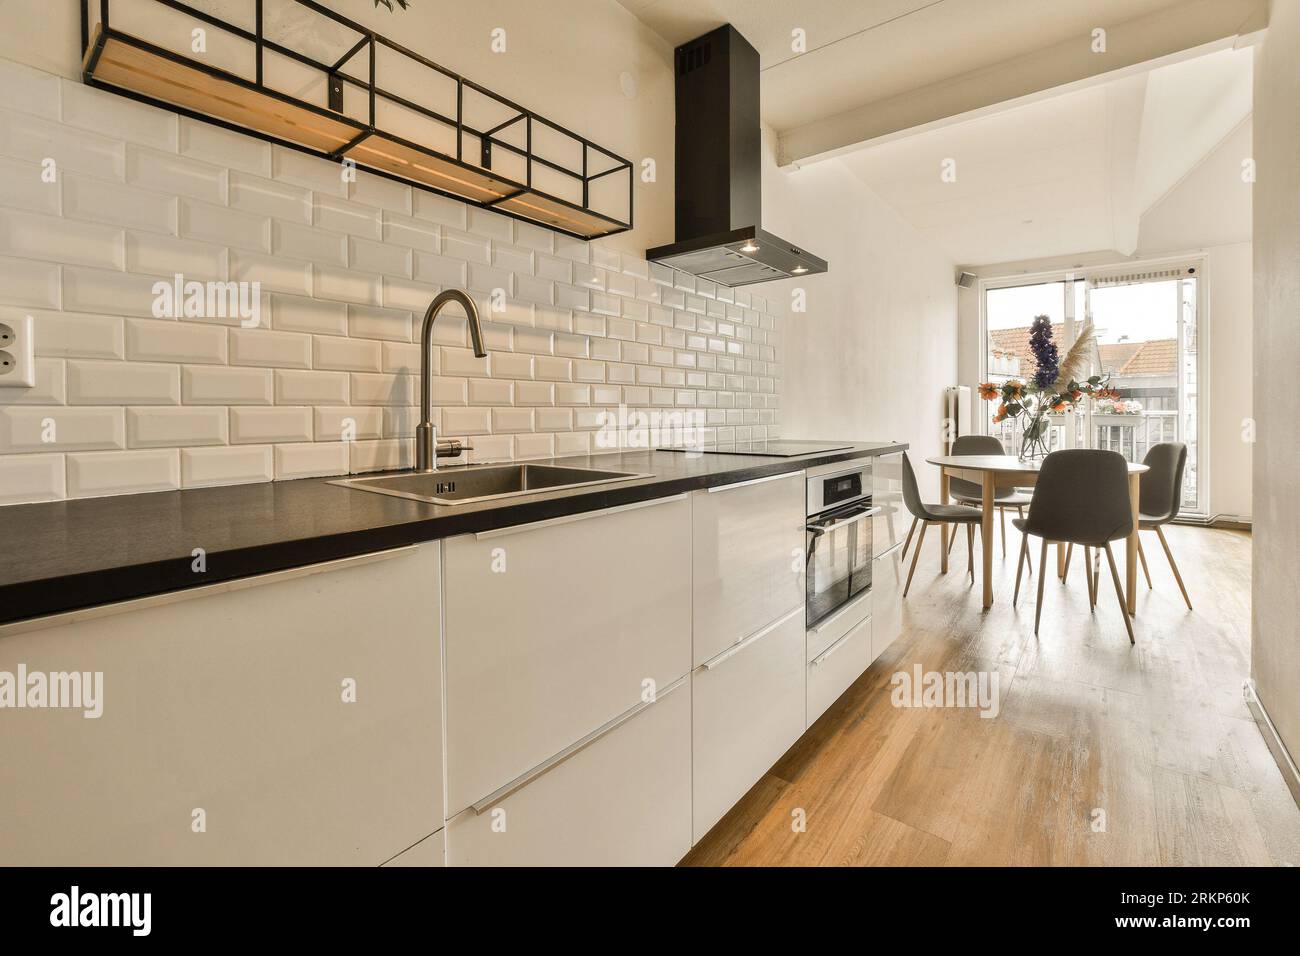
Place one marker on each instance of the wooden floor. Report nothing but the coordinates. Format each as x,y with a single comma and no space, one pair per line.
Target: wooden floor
1101,754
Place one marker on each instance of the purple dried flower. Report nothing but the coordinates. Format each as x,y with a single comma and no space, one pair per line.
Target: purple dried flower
1046,356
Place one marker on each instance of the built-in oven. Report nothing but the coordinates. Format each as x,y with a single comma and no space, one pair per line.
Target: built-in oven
838,537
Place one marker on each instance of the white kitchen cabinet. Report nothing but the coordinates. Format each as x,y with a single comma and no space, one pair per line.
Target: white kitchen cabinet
749,707
887,600
228,735
890,523
832,671
748,558
622,799
555,628
431,851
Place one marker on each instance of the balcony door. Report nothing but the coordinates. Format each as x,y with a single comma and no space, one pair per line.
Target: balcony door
1147,324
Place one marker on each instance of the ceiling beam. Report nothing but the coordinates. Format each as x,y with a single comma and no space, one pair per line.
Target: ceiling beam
1133,46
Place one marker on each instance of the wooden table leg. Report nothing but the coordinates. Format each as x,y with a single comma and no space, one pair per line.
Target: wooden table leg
1131,551
986,537
943,528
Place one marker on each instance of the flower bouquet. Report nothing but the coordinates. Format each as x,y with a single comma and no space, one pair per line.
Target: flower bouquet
1058,386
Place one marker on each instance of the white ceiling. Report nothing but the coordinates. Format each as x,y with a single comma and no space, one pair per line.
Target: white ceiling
874,49
1066,174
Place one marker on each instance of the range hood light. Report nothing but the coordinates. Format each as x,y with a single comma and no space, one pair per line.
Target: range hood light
749,247
798,270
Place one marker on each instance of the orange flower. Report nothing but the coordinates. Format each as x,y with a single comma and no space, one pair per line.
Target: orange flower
1059,405
1015,389
988,391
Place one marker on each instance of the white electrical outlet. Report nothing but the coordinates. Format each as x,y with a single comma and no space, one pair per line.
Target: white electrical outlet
17,353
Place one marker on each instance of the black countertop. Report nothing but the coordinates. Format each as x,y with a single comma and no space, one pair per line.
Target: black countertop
66,555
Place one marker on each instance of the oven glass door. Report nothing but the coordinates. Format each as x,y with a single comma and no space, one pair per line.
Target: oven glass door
839,559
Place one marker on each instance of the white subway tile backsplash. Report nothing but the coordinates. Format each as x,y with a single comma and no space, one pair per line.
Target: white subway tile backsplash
327,382
299,241
275,274
346,285
61,428
348,423
311,459
372,190
158,427
283,423
166,340
116,116
75,151
95,473
267,197
344,354
263,347
98,201
21,188
201,467
154,254
52,239
71,335
122,383
28,478
24,282
215,385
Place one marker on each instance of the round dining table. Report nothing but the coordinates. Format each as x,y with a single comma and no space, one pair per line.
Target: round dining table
992,472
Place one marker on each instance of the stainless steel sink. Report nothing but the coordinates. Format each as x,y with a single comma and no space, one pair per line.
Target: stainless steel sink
458,486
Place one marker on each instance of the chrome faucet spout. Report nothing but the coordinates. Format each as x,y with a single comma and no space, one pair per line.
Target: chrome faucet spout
426,444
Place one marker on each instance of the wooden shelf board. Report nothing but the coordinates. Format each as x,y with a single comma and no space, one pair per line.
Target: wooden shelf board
543,209
380,152
133,68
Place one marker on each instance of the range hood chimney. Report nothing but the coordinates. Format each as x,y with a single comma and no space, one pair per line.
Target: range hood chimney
719,196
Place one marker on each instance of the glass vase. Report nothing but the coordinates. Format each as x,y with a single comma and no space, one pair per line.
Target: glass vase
1035,441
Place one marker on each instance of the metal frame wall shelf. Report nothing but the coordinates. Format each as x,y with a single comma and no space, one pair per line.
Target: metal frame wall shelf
126,63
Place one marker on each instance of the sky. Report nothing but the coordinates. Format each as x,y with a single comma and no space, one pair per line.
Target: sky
1142,311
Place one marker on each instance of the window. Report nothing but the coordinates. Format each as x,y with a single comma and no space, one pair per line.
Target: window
1147,327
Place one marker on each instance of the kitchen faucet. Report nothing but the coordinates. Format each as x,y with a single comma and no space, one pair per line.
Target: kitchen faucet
428,449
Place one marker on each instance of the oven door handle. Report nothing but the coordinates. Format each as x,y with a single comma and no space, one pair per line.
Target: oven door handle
820,529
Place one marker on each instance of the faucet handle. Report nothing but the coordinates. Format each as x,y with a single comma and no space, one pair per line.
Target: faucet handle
451,447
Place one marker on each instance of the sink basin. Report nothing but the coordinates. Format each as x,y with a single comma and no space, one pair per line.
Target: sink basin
458,486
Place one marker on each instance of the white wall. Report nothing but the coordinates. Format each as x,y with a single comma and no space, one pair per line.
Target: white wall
129,402
1275,604
871,356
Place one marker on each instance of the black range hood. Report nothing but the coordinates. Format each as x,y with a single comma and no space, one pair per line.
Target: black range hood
719,200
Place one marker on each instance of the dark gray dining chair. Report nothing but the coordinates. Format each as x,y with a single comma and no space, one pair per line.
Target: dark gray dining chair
1081,498
936,514
1159,498
969,493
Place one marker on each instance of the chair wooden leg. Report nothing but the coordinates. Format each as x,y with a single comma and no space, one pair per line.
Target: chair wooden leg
1042,579
908,539
970,550
952,538
1087,574
1143,557
1002,513
1173,564
920,539
1020,564
1029,561
1119,593
1069,553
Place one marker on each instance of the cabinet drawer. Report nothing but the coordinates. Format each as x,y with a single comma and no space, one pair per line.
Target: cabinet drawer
748,546
886,601
623,800
831,673
891,522
830,630
431,851
748,709
551,631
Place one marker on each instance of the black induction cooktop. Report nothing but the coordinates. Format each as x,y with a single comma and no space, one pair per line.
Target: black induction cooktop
771,448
